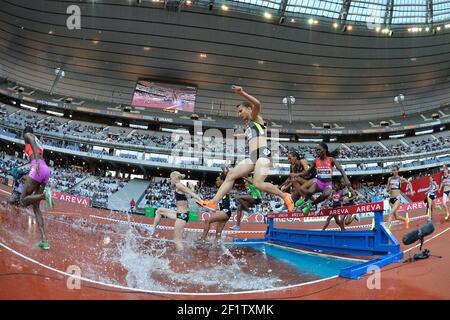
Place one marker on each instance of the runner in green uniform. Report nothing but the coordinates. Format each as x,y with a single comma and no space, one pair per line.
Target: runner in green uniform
246,202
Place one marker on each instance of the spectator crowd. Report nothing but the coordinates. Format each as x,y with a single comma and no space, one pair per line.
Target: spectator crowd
64,127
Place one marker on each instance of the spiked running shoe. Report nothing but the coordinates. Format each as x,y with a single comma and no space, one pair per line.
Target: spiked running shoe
289,203
208,204
308,207
43,245
299,202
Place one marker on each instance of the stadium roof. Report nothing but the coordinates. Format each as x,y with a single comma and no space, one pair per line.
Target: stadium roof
334,74
393,12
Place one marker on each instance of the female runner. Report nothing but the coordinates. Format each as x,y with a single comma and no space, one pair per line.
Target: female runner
260,155
445,183
324,164
181,215
393,188
34,189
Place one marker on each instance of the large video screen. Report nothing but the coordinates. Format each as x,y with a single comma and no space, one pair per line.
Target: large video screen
164,96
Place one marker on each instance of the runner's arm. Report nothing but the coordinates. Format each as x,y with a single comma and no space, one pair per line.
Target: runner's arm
255,102
409,185
308,172
187,190
342,171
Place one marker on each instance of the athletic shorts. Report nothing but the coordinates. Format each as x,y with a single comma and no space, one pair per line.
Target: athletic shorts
447,193
183,216
225,209
44,175
432,196
262,152
322,185
393,200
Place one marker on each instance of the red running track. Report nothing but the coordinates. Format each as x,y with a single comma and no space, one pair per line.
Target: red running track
93,238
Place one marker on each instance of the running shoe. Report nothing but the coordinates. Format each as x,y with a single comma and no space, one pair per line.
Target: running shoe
299,202
235,227
208,204
149,229
308,207
43,245
289,202
48,198
357,217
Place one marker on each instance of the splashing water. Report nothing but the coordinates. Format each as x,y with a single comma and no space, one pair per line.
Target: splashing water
157,267
122,254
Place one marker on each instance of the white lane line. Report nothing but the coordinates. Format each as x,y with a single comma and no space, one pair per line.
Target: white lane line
160,292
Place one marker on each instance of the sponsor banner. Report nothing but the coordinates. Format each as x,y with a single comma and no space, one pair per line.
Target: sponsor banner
193,216
254,218
259,218
47,103
297,217
156,118
420,187
28,99
419,205
297,220
359,208
150,212
81,201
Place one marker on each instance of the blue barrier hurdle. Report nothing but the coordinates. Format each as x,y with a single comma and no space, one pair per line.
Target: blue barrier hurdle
377,242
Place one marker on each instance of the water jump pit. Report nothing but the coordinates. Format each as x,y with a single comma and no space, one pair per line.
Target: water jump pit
119,253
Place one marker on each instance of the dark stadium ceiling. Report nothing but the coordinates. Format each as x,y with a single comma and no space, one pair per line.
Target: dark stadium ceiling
334,74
